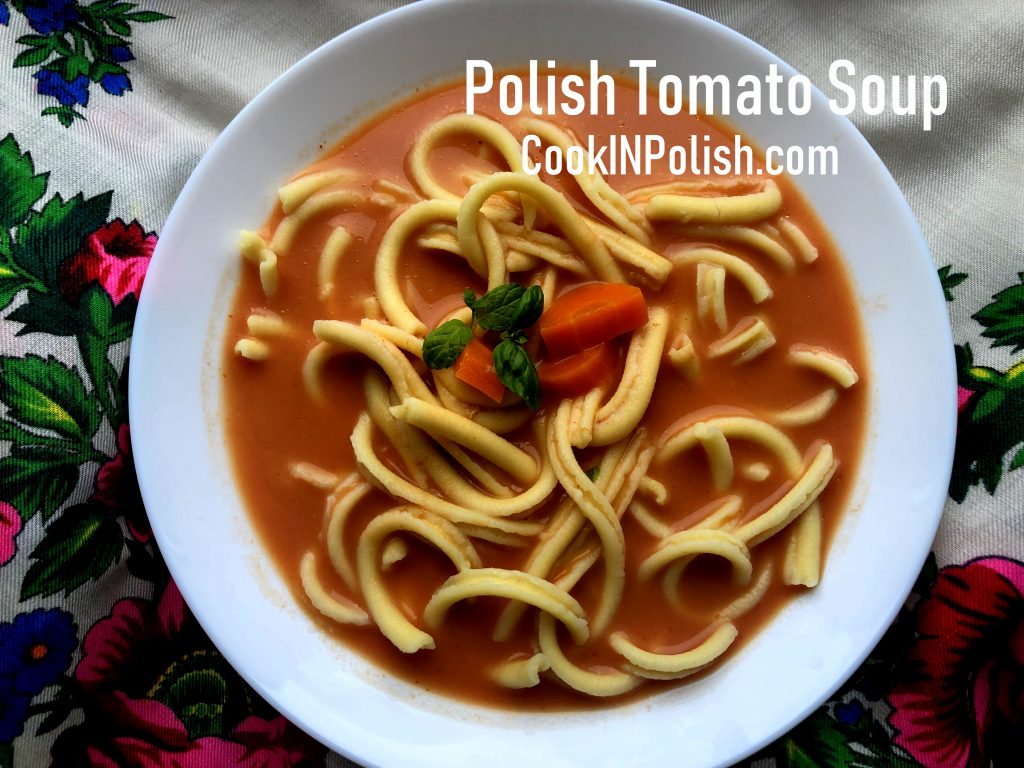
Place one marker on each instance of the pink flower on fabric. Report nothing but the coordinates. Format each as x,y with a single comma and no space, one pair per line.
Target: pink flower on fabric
10,527
139,705
117,487
964,705
115,256
963,394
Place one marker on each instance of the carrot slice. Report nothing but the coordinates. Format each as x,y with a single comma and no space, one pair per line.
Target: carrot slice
475,366
578,373
593,313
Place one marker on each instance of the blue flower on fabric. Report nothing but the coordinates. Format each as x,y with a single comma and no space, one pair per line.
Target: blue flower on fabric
120,53
36,649
849,713
13,712
115,85
51,83
51,15
5,14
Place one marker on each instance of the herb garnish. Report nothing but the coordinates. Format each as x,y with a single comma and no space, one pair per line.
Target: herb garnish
445,343
508,309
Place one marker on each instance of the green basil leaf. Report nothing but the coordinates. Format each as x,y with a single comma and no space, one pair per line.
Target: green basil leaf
498,309
593,473
530,307
470,298
516,371
445,343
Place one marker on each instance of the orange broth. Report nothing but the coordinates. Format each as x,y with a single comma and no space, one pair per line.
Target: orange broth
271,423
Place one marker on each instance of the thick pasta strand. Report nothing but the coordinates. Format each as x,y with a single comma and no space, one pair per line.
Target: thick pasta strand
442,423
431,528
803,493
520,673
343,612
339,507
736,209
748,276
330,257
487,260
575,229
362,445
600,684
316,205
599,513
834,366
621,414
749,236
515,585
613,205
295,193
490,131
565,523
671,666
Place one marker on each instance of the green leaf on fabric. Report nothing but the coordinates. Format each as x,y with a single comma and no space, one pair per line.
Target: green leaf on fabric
205,693
31,56
34,41
36,479
821,741
981,374
146,17
76,66
1003,318
1018,460
964,357
141,563
120,415
65,114
25,438
60,45
46,313
6,755
12,278
46,394
80,545
950,280
51,236
20,186
102,319
101,69
817,743
63,704
988,404
118,26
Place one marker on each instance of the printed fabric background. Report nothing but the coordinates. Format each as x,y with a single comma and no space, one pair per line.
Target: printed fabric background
106,108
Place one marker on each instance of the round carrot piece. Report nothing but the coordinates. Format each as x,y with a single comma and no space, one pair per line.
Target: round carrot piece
593,313
579,373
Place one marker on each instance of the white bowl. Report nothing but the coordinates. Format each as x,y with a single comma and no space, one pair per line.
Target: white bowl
212,551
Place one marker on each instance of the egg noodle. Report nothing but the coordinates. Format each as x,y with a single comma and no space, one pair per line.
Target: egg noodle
464,474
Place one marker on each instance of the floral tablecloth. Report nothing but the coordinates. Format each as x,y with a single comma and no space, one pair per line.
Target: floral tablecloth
106,108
